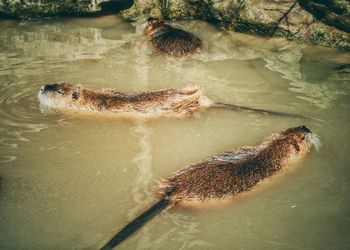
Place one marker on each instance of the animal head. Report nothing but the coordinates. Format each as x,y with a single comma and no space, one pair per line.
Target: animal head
60,95
152,24
300,139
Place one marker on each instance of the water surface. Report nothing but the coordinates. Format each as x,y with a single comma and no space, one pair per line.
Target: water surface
70,181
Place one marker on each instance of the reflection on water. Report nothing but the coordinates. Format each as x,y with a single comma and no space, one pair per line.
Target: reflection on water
280,56
72,180
141,191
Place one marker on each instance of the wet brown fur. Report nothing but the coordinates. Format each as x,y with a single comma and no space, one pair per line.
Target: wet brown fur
235,172
66,95
170,40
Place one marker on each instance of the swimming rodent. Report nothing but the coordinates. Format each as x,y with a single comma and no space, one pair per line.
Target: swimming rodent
170,102
226,175
170,40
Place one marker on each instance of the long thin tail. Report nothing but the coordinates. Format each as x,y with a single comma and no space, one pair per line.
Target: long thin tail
137,223
262,111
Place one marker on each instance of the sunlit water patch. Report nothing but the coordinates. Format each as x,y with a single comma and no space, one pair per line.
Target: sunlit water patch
70,180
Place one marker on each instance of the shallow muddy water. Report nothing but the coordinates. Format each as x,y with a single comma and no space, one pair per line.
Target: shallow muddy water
71,180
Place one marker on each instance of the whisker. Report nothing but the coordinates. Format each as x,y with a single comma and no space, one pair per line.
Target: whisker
315,140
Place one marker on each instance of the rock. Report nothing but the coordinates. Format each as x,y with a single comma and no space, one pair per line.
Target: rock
181,9
174,9
141,10
281,18
47,8
326,24
335,13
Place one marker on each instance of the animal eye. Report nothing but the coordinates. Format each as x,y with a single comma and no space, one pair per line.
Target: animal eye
302,137
75,95
61,91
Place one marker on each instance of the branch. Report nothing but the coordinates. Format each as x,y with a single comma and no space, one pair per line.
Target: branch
282,17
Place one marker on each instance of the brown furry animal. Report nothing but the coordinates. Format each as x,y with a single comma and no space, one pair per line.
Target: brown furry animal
170,102
69,96
226,175
170,40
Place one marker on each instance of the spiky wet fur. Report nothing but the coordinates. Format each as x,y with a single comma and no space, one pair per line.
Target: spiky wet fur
170,40
235,172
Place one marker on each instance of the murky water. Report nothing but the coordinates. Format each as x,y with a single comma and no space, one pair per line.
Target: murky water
70,181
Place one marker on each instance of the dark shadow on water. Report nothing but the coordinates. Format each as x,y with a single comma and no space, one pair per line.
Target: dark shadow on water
116,5
113,7
1,183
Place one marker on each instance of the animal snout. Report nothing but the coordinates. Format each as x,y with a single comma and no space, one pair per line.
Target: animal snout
49,87
304,129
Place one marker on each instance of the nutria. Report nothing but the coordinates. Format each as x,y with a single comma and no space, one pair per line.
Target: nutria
226,175
173,102
66,95
170,40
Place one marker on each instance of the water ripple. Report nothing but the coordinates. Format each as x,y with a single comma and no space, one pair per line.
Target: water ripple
4,158
141,192
19,113
33,53
280,55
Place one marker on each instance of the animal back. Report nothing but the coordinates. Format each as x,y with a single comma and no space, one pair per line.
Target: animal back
176,42
180,101
219,176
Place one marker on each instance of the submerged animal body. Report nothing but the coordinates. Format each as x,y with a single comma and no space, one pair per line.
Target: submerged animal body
170,40
170,102
226,175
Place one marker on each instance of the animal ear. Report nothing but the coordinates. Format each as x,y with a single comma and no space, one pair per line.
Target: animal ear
296,145
150,19
75,95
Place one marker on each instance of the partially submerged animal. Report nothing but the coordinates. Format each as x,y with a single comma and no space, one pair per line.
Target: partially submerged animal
226,175
170,40
170,102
